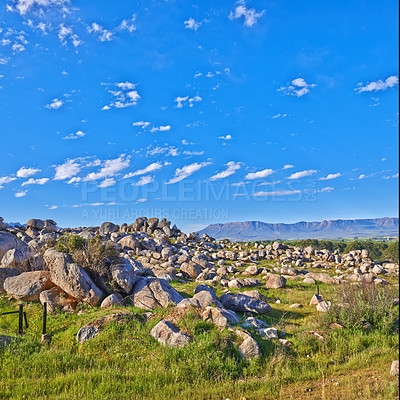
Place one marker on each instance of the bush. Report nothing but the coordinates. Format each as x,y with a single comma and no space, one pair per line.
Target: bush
356,306
391,253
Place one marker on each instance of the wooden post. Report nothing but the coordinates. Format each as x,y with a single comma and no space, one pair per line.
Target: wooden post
44,318
318,289
21,319
26,320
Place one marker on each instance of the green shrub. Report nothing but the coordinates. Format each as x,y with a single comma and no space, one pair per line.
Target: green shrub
357,306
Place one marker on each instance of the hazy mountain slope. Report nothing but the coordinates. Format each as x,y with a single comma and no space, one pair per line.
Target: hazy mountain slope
331,229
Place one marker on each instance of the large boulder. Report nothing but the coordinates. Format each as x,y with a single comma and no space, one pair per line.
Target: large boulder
219,316
8,242
166,333
275,281
107,228
321,277
16,258
113,300
56,299
124,274
151,293
191,270
241,302
6,273
28,285
72,278
129,243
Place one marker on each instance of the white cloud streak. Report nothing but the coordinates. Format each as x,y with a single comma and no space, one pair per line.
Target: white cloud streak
298,87
31,181
379,85
231,169
110,168
150,168
250,16
259,174
27,172
302,174
187,170
331,176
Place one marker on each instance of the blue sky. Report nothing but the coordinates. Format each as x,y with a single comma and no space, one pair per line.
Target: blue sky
275,111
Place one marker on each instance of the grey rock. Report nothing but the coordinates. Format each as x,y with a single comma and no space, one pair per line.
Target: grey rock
16,258
249,349
394,369
57,299
275,281
219,316
6,273
86,333
324,306
191,270
112,300
28,285
124,274
241,302
107,228
129,243
166,333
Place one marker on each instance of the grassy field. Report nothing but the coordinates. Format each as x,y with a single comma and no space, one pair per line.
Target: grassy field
124,362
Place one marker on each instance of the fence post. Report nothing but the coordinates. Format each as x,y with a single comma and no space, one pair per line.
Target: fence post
318,289
21,319
44,318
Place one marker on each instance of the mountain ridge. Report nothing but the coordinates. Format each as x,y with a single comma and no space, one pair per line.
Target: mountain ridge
326,229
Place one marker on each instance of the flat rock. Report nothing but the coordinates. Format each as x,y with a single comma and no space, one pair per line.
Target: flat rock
219,316
86,333
28,285
241,302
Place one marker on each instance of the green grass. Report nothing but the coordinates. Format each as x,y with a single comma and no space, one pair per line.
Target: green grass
124,362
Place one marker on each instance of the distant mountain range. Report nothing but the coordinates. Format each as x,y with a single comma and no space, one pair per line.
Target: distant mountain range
332,229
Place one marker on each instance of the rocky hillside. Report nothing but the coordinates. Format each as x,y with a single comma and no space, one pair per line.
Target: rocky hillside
144,263
331,229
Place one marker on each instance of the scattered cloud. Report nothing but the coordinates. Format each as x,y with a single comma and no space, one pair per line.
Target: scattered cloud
65,33
27,172
31,181
76,135
141,124
150,168
21,193
277,193
107,183
385,177
231,169
144,180
124,96
187,170
128,24
327,189
259,174
102,34
6,179
331,176
192,24
67,170
250,16
25,6
164,128
279,116
183,101
55,104
110,168
227,137
379,85
302,174
288,166
298,87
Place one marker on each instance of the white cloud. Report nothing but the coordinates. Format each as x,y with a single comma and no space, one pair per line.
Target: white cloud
298,87
277,193
142,124
167,150
6,179
288,166
259,174
150,168
126,96
231,169
27,172
362,176
77,135
102,34
192,24
25,6
390,82
327,189
302,174
55,104
107,183
67,170
110,168
187,170
164,128
279,116
128,24
144,180
182,101
227,137
250,16
65,33
331,176
21,193
31,181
